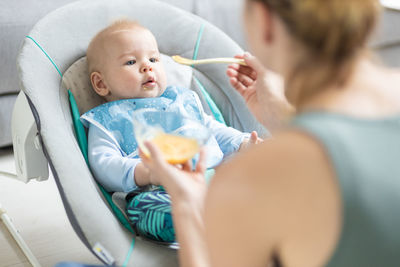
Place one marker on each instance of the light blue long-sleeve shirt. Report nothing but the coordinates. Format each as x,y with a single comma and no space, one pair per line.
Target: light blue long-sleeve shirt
112,148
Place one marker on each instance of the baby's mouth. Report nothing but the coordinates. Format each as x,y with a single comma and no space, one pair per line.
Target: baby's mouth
149,84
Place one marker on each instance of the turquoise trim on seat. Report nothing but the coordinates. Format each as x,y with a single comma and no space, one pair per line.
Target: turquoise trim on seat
47,55
128,256
213,107
78,127
82,141
196,48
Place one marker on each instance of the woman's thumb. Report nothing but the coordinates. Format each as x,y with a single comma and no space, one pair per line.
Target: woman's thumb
201,163
155,153
253,62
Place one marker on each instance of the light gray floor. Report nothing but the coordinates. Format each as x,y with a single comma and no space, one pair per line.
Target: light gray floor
37,212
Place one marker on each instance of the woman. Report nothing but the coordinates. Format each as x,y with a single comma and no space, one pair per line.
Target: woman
324,190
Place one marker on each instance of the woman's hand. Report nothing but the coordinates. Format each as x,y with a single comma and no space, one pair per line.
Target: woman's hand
261,89
181,182
187,189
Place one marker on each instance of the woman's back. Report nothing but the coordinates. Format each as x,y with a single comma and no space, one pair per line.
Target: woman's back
365,154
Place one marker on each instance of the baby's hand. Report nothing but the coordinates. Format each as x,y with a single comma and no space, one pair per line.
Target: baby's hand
248,142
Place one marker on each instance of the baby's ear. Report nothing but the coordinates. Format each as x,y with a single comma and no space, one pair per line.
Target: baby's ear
98,83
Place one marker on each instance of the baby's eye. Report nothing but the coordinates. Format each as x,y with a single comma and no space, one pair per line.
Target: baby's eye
130,62
153,60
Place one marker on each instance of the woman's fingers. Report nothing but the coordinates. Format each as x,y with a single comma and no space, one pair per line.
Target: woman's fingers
238,86
231,72
142,155
155,153
187,166
244,79
244,70
235,82
253,63
201,164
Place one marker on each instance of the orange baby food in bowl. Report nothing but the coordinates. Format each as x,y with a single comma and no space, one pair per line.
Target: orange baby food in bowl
176,149
179,138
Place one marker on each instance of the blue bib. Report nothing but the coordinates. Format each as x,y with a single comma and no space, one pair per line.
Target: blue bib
115,118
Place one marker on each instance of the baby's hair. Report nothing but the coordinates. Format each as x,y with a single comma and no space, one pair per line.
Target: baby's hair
93,54
333,32
123,23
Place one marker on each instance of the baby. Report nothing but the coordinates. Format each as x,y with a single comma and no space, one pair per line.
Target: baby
125,69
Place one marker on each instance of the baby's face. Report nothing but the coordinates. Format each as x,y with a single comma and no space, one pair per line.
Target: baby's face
132,66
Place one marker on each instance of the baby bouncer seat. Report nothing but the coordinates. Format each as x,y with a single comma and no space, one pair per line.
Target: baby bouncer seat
52,71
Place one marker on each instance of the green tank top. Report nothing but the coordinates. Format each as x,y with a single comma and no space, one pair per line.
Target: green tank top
365,154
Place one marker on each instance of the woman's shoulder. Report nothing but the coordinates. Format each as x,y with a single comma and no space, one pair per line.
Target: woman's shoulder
285,154
285,160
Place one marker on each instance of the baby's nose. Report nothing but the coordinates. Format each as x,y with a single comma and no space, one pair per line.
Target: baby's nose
146,68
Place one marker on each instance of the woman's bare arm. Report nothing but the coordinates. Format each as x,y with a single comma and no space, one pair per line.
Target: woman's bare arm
189,229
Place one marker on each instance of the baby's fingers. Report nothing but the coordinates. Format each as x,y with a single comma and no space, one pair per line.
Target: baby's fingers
253,137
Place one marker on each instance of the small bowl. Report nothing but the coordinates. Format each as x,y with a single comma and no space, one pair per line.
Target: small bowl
178,137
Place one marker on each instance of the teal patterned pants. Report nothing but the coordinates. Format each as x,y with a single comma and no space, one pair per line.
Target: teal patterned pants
150,213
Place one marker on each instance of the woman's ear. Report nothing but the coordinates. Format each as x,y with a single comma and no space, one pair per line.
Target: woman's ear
98,84
259,26
265,19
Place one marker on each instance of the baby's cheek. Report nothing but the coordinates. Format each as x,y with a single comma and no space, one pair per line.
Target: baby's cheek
163,80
